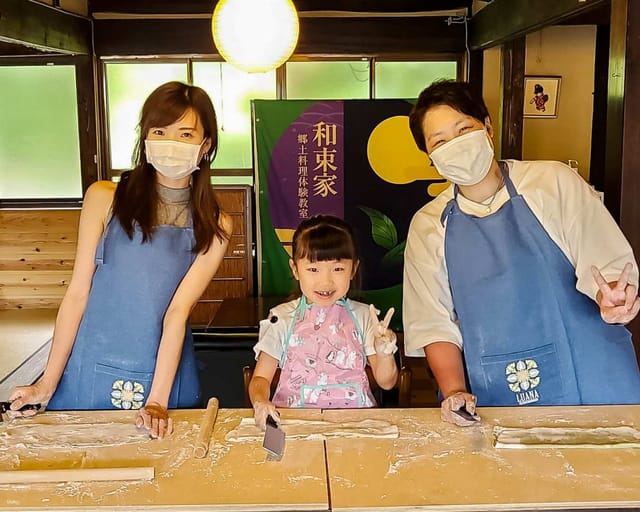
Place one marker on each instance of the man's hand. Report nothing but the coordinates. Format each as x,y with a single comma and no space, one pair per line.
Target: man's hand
618,300
455,402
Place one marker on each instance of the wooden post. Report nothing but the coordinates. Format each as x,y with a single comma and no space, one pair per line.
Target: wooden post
85,92
476,70
598,123
512,88
622,175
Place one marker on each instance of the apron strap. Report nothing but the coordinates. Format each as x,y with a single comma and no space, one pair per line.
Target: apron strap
504,170
298,314
99,259
343,302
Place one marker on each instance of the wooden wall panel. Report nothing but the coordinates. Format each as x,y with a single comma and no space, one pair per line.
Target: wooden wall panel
235,275
37,252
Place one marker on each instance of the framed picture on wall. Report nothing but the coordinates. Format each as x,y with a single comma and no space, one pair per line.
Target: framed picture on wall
541,96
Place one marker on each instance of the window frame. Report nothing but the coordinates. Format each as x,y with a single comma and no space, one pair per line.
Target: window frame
87,137
108,172
91,84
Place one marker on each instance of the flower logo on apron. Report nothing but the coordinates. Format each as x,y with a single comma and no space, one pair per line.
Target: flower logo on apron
523,377
127,394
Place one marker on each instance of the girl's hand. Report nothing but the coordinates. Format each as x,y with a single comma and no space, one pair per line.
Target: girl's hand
455,402
261,410
155,418
37,393
385,340
618,301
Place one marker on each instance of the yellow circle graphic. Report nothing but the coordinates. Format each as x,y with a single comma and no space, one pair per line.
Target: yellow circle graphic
395,158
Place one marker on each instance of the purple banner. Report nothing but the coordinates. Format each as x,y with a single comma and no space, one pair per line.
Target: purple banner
306,170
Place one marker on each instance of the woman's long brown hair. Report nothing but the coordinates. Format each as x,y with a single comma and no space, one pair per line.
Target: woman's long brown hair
136,197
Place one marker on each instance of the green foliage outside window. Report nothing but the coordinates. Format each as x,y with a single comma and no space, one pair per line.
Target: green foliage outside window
406,80
128,85
39,141
328,80
231,91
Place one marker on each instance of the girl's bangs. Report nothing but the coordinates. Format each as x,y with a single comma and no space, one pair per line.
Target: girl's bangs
325,244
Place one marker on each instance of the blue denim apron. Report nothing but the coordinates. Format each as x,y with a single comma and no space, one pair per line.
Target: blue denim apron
114,355
530,337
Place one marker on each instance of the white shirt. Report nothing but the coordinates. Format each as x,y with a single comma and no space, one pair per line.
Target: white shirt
569,210
272,335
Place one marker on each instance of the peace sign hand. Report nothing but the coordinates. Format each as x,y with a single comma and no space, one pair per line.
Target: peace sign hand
618,300
385,341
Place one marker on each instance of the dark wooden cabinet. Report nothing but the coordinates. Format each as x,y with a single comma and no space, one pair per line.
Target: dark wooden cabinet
234,278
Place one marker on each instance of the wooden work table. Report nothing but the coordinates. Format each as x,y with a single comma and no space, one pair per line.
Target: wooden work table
438,466
232,476
430,466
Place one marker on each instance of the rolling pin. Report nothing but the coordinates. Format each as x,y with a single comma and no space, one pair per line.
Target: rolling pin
206,427
32,476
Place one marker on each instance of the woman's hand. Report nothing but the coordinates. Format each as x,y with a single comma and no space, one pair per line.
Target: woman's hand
155,418
455,402
262,409
385,340
618,300
38,393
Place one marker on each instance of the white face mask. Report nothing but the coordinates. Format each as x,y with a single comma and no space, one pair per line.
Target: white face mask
465,160
171,158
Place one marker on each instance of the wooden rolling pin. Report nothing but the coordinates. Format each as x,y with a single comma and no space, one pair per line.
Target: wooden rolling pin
206,427
32,476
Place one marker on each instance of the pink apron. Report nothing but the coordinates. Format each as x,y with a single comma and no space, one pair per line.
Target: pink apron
323,361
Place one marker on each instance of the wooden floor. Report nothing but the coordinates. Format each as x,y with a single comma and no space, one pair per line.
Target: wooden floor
23,334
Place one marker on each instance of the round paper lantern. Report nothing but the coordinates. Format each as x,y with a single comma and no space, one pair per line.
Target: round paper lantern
255,35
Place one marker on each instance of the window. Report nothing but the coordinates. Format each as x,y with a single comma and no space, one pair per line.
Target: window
231,91
128,85
39,133
328,80
407,79
39,127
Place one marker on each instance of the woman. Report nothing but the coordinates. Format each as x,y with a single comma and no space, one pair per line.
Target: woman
516,277
147,249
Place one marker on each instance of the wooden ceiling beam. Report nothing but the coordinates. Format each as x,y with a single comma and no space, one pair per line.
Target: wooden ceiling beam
45,28
505,20
335,36
186,7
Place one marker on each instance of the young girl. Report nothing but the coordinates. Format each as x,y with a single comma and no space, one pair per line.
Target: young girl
322,340
146,251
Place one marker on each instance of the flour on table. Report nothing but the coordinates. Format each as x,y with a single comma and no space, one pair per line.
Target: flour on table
72,435
313,429
566,437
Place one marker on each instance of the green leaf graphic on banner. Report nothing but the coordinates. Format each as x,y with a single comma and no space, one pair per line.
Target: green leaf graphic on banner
382,229
395,256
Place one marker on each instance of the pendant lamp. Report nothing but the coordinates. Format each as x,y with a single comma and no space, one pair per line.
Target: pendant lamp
255,35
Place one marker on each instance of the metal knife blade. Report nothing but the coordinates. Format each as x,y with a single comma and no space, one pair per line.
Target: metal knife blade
5,407
463,413
274,440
